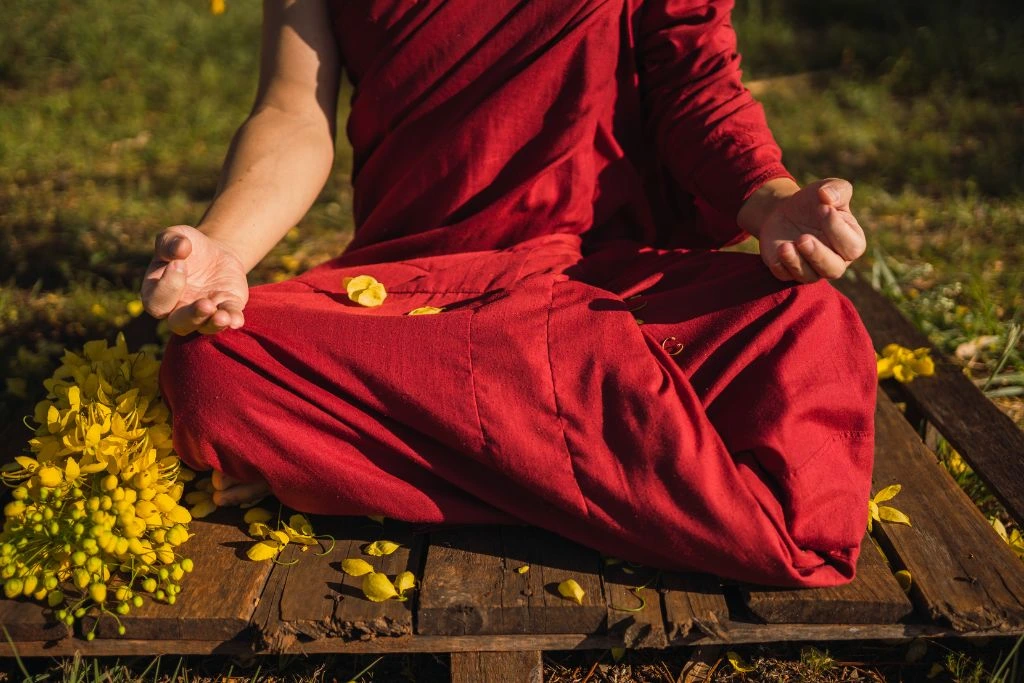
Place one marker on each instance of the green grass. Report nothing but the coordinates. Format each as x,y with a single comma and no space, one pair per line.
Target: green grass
115,117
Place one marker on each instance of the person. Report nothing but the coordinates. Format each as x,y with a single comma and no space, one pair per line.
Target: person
557,178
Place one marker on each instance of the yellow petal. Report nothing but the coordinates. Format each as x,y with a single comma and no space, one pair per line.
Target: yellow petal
71,470
264,550
358,283
884,366
257,515
902,373
405,581
522,570
1000,529
202,509
425,310
889,514
355,566
888,493
571,590
258,530
196,497
28,463
378,588
370,297
50,476
279,536
925,367
300,524
380,548
904,579
618,653
737,663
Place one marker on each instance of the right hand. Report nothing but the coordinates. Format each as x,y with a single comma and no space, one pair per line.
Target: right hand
195,282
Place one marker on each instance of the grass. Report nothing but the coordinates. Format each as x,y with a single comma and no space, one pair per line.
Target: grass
115,117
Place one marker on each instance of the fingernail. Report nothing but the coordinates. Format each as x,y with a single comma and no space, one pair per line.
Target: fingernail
172,246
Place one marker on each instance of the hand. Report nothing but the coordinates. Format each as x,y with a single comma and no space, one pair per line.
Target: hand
228,491
810,233
195,282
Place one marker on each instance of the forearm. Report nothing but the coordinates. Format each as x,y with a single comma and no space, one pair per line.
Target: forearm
276,166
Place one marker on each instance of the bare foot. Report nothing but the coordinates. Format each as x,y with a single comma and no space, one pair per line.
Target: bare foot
228,491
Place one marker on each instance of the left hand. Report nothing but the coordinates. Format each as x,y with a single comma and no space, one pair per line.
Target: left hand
807,233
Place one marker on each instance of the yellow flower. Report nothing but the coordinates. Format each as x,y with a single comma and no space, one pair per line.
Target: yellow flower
880,513
365,290
571,590
904,364
135,308
425,310
217,7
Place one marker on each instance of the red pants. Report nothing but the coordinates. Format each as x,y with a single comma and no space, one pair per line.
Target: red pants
538,397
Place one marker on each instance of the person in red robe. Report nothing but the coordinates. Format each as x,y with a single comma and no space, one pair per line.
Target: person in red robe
556,177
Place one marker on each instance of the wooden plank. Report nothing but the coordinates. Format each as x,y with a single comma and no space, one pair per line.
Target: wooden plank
873,597
638,623
27,619
217,598
963,574
315,599
471,587
987,438
497,667
738,633
694,602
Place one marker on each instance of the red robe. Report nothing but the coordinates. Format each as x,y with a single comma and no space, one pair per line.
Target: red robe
530,166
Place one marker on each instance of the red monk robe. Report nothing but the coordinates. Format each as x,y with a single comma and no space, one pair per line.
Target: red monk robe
514,163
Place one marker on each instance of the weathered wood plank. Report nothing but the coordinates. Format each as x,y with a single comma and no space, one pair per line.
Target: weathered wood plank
471,587
976,428
694,602
497,667
217,599
739,632
313,598
963,574
873,597
634,614
27,619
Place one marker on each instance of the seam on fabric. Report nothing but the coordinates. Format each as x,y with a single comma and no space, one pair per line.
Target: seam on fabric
484,441
844,436
558,409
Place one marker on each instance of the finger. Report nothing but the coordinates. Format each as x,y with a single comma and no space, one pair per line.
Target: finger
227,315
797,266
779,270
222,481
187,319
161,293
841,232
241,493
836,192
824,261
228,301
172,244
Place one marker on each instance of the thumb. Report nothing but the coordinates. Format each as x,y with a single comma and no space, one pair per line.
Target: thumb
835,192
165,292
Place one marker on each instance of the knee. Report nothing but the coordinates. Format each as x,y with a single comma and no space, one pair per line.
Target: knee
199,381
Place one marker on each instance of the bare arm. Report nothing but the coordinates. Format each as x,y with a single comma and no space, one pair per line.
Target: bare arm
282,155
277,163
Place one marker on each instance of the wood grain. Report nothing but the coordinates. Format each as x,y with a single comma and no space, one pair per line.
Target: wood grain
964,575
873,597
497,667
314,598
694,602
638,623
470,586
976,428
217,598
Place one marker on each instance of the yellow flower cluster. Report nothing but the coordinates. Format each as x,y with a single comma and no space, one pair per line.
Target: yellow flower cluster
95,518
904,364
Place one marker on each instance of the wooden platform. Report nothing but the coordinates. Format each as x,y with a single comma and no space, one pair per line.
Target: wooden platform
966,581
